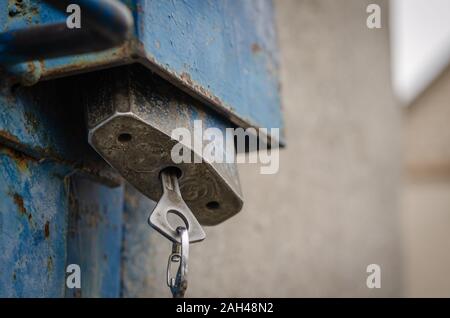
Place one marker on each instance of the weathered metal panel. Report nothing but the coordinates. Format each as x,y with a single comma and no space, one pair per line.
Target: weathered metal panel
94,238
47,222
20,14
33,227
223,52
140,278
46,121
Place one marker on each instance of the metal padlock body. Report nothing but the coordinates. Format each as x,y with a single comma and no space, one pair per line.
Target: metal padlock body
130,120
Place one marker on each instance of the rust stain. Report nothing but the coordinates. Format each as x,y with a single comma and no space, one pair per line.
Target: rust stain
19,158
47,229
8,136
20,8
187,81
22,160
18,200
42,64
120,56
256,48
186,77
15,8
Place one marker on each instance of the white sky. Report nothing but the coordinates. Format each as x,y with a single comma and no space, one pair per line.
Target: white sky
420,42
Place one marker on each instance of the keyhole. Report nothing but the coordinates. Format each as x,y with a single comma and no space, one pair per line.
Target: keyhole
213,205
124,137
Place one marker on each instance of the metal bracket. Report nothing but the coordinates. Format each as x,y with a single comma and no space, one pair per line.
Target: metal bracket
109,24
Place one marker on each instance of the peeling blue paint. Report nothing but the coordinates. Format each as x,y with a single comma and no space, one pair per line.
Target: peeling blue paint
33,212
49,220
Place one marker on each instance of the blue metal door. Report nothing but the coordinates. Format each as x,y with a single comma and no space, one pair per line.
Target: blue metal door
60,203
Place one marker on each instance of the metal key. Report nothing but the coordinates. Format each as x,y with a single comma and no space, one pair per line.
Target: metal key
172,202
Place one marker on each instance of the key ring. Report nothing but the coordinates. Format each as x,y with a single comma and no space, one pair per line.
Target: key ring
180,254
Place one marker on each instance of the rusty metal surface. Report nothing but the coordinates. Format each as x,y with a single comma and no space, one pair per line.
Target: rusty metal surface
147,111
43,145
33,211
221,52
106,24
224,52
46,122
94,238
50,218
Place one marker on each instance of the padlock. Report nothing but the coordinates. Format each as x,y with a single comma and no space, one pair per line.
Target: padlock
131,114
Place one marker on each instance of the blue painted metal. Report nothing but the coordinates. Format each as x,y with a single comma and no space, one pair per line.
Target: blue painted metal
223,52
45,121
94,238
49,220
139,278
33,227
106,24
50,215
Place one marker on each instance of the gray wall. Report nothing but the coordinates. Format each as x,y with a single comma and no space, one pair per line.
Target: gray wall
311,229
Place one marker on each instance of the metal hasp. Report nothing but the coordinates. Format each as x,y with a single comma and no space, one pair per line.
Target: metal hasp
222,52
131,115
107,24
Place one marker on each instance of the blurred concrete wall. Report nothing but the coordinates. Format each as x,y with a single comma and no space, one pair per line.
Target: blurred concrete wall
311,229
426,199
